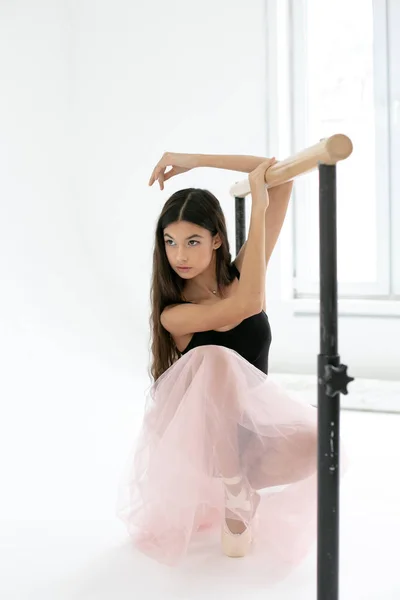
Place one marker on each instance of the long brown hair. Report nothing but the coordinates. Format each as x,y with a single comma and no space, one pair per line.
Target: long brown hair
202,208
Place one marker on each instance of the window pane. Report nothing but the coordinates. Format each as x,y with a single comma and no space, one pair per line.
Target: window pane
340,98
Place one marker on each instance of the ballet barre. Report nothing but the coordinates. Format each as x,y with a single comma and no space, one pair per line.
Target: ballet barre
328,151
332,375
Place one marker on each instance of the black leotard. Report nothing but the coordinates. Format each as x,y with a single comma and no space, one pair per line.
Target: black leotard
251,338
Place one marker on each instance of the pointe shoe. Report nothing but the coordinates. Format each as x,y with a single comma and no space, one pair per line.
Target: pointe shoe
237,545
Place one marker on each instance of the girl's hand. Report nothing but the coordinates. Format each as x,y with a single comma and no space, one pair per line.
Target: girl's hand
180,163
259,191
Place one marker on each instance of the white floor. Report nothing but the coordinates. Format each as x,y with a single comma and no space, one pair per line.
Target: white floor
66,438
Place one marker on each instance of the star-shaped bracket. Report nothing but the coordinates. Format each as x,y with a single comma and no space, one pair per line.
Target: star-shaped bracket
336,380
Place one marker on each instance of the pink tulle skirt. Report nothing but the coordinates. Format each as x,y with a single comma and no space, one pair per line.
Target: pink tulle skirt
214,414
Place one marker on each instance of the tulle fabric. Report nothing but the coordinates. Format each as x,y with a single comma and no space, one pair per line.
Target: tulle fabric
212,413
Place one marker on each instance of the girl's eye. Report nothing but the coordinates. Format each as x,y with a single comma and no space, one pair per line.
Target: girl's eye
195,242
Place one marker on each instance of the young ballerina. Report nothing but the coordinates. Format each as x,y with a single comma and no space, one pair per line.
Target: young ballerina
216,429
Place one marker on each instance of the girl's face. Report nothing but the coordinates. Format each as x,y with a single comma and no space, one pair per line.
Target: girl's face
188,245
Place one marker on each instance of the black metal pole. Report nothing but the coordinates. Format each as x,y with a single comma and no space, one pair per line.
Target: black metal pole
330,373
328,408
240,222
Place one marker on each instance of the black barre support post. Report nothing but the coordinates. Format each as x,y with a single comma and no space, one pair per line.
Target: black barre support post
328,408
332,380
240,222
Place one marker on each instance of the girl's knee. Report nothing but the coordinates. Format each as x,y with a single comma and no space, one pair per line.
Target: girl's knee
218,358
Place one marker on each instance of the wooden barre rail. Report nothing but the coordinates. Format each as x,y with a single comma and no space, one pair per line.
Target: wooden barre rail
328,151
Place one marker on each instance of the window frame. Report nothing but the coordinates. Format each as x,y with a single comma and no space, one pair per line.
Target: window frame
303,286
393,18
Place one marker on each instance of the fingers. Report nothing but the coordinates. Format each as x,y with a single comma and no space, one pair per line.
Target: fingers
153,175
170,174
152,178
160,179
161,176
269,163
156,172
266,164
159,171
158,175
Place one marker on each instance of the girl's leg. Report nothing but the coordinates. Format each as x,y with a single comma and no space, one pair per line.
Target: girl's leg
223,427
280,461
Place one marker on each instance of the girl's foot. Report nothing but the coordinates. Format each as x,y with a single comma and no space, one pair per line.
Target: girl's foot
241,503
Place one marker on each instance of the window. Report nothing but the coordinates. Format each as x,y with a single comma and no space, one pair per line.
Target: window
345,78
